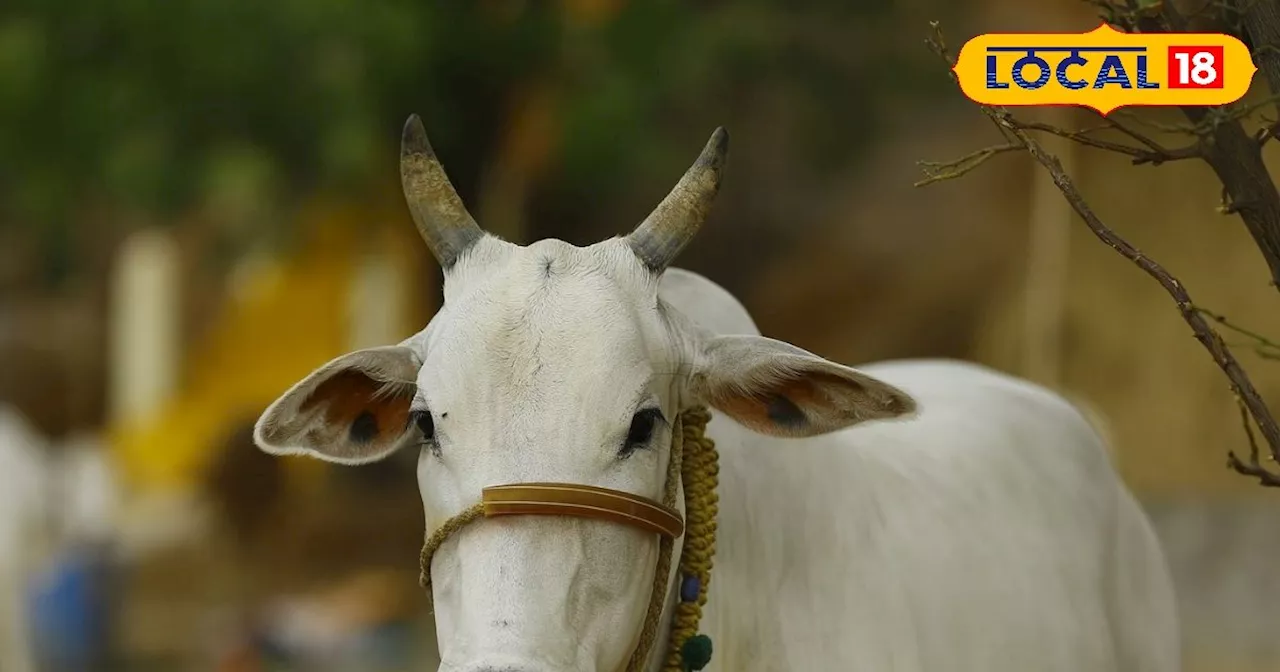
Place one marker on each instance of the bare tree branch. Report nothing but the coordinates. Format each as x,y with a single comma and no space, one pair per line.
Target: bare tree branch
1234,155
1153,154
1208,337
937,171
1151,151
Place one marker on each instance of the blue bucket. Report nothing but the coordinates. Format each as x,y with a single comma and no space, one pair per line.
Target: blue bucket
69,609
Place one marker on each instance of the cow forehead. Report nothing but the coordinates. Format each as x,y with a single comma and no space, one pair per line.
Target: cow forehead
545,318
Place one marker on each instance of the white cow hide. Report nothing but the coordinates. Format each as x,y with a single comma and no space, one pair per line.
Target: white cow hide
989,532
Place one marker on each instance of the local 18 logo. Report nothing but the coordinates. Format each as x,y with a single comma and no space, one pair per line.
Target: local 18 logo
1104,69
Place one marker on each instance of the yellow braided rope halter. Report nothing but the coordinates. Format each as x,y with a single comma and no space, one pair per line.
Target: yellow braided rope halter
468,515
701,471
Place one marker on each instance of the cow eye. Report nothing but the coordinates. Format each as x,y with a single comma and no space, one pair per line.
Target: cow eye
641,430
424,422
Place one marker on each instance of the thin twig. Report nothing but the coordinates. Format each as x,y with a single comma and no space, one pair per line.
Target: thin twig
1258,350
937,171
1253,467
1183,129
1216,116
1222,319
1234,112
1151,144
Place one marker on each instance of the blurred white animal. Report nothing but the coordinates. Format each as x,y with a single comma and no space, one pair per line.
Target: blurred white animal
23,538
51,499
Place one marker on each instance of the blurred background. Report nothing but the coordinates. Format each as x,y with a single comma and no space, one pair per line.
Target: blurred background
199,203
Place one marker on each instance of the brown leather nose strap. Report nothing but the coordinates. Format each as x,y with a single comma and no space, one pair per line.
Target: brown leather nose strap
585,501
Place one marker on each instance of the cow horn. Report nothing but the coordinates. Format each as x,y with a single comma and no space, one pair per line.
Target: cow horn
438,212
675,221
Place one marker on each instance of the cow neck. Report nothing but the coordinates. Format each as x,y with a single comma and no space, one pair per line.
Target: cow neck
695,463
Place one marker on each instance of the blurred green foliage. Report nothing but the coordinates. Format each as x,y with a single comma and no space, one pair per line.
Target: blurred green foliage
156,108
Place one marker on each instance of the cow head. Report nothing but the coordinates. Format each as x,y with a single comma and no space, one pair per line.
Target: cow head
552,363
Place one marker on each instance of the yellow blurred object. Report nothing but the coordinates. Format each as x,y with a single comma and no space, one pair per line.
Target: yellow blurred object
287,318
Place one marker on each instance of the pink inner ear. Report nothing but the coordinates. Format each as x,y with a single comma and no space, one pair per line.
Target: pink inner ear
781,404
797,403
350,397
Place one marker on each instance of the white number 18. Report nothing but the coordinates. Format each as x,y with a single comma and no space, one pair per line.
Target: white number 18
1196,68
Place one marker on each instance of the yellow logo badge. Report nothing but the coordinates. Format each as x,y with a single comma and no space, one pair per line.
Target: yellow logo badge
1104,69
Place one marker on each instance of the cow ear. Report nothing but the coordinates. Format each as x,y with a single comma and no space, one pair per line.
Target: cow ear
353,410
777,389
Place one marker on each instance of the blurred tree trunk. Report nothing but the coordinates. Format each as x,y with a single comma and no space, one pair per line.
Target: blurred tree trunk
1047,261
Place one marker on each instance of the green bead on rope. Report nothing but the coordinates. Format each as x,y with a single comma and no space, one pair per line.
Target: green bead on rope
696,653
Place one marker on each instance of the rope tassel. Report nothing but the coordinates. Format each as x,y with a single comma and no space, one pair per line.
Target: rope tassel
686,649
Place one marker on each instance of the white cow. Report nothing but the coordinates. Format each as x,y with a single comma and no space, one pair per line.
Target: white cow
915,515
